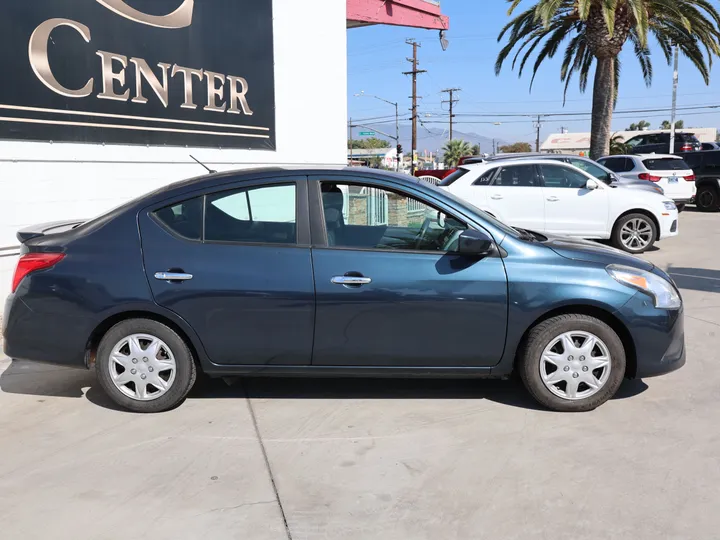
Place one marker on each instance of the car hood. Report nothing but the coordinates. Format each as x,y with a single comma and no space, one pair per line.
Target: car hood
585,250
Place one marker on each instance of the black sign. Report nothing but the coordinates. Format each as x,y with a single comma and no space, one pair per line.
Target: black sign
158,72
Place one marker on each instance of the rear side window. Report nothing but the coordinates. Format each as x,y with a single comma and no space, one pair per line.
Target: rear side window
184,219
618,164
453,176
486,178
263,215
687,137
665,164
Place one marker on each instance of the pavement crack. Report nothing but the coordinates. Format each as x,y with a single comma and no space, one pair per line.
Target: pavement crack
702,320
226,508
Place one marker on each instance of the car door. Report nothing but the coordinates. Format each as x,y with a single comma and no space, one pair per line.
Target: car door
235,263
515,197
390,292
572,209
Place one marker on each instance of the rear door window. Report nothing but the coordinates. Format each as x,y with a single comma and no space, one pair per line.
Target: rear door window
665,164
615,164
486,178
517,176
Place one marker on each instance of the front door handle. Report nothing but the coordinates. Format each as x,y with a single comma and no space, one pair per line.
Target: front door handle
173,276
351,280
553,198
496,197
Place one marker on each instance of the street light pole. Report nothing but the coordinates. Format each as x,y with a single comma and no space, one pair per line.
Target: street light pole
674,102
397,125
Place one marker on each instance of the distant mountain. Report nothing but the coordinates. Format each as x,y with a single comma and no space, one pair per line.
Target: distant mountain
432,139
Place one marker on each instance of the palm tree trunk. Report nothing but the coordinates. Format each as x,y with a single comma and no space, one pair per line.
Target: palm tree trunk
602,110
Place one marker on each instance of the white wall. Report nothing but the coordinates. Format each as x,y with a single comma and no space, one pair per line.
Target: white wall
42,182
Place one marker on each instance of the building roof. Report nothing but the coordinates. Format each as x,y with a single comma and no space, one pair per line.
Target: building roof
558,142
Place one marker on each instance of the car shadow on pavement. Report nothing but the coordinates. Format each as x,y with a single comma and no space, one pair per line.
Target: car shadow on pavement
696,279
33,379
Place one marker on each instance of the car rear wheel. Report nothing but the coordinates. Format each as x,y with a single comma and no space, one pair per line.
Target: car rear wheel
634,233
145,366
572,363
680,207
707,199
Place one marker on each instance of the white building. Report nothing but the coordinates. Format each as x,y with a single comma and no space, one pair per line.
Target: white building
86,124
577,143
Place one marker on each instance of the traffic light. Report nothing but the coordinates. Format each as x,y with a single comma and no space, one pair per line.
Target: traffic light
399,149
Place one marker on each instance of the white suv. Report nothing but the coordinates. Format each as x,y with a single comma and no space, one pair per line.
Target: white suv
671,173
560,199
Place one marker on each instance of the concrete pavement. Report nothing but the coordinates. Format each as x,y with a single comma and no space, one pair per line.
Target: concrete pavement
358,459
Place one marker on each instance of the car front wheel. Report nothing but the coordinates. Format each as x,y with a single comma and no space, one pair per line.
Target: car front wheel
634,233
707,199
145,366
572,363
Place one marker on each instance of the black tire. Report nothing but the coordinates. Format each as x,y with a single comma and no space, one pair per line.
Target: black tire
530,355
707,198
185,371
680,207
617,233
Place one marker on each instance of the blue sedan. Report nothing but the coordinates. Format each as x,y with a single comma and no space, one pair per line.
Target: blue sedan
333,272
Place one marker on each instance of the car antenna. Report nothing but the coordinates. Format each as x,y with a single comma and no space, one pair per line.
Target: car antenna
201,163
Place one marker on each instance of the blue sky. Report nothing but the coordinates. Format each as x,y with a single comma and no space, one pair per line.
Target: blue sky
376,60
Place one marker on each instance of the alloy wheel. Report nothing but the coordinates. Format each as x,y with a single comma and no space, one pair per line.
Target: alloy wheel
142,367
575,365
636,234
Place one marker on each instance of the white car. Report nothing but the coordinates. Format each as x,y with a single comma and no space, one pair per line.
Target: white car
560,199
671,173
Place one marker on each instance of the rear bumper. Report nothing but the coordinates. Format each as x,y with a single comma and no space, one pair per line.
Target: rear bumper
658,336
42,337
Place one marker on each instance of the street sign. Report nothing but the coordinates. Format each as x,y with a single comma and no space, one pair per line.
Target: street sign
367,133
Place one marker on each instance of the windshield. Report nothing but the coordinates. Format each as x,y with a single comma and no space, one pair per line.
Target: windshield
487,217
665,164
593,169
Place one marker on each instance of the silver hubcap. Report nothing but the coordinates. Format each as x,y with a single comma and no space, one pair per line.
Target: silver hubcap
142,367
575,365
636,234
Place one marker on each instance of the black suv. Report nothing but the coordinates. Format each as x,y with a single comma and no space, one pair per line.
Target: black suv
706,166
659,143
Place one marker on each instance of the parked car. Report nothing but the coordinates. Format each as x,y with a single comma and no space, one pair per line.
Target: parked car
710,146
670,172
706,166
589,166
659,143
560,199
333,272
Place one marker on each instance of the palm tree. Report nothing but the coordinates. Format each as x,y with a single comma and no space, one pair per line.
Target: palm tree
666,124
641,125
597,30
454,150
618,146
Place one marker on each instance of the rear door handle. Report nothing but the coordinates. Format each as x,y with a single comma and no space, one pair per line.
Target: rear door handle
172,276
553,199
496,197
350,280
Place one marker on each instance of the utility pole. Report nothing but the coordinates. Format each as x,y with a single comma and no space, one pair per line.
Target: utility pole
451,101
350,126
538,125
414,97
674,102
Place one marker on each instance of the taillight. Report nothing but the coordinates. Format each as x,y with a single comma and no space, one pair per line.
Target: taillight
650,177
32,262
686,148
690,178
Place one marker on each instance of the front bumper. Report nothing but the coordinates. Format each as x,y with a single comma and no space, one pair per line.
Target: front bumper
658,336
669,224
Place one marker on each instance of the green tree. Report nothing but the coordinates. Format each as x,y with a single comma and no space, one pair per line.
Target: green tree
618,146
516,148
680,124
596,32
642,124
369,143
476,150
454,150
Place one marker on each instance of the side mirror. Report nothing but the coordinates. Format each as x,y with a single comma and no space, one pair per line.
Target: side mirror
474,243
591,184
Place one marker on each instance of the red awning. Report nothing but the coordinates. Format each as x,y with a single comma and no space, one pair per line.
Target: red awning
413,13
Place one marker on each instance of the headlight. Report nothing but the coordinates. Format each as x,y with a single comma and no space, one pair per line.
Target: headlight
669,205
662,291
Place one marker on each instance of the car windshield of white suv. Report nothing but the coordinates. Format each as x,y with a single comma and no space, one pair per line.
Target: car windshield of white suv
665,164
